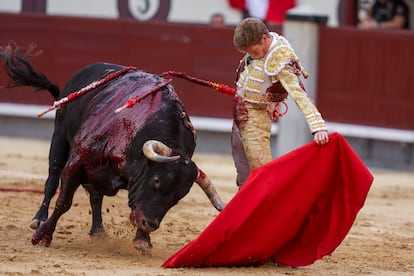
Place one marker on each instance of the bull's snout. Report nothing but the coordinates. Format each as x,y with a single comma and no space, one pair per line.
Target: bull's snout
138,219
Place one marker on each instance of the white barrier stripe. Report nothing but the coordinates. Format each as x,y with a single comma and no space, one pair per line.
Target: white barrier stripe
25,110
23,175
370,132
224,125
219,124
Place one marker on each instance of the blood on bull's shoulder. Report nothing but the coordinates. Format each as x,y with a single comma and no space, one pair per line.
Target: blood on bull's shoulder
146,149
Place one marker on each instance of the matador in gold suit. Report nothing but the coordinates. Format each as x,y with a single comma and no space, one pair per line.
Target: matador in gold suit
271,78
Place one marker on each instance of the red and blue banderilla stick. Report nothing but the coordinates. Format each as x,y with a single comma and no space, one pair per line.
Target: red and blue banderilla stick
74,95
132,101
222,88
217,86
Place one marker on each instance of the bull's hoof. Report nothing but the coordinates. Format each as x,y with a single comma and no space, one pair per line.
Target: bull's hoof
98,235
97,231
143,246
43,242
36,223
40,238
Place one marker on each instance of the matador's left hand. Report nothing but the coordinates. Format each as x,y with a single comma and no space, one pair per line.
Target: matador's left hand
272,109
321,137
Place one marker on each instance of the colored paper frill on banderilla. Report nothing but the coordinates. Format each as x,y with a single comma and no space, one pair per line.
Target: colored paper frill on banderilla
293,210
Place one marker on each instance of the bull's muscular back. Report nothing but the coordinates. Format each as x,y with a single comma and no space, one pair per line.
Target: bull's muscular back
98,133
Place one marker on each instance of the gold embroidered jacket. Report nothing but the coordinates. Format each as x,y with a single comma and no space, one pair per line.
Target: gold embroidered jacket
273,77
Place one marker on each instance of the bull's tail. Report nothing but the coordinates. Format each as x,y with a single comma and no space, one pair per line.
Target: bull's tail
21,72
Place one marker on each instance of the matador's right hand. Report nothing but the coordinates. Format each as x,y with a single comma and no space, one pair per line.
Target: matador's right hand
321,137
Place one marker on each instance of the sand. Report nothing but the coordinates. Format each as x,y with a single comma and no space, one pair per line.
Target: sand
381,241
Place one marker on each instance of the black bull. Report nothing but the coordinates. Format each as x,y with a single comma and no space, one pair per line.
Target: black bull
146,149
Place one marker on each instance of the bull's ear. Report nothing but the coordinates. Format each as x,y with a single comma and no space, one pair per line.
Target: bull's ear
158,152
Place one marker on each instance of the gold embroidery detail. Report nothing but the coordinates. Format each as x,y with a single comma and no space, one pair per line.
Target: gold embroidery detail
313,117
260,98
256,136
258,75
253,85
278,58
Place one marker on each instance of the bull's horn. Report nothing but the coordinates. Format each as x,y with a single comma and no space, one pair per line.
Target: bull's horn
158,152
207,186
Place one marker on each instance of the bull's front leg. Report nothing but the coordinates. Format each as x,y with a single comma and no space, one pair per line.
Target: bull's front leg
142,241
44,233
97,228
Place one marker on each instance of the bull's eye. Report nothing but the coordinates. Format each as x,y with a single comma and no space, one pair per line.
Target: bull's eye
156,182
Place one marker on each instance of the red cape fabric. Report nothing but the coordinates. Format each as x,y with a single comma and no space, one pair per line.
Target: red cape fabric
293,210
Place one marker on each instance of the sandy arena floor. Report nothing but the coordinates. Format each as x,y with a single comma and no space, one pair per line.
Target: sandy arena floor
381,241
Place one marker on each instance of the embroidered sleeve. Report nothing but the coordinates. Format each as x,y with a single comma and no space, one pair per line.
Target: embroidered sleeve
278,58
291,83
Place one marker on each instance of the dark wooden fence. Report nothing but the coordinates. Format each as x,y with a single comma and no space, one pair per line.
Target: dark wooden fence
367,77
70,43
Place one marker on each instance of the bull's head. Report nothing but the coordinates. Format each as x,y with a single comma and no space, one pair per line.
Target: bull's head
160,183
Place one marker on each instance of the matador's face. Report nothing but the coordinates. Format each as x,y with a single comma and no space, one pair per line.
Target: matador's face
258,51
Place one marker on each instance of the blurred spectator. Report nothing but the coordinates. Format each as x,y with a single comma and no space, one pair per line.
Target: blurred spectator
217,20
386,14
272,12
